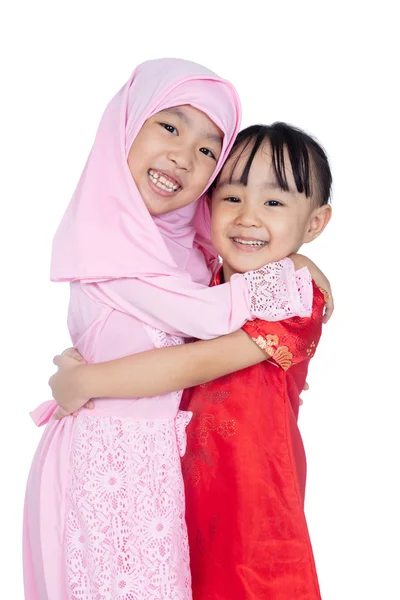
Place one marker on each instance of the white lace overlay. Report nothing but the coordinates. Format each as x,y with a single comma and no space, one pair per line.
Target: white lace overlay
277,292
125,521
181,422
304,287
126,536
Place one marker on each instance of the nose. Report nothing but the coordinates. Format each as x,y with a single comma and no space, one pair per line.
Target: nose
248,217
181,157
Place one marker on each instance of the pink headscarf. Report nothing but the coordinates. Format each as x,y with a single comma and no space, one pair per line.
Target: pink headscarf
107,231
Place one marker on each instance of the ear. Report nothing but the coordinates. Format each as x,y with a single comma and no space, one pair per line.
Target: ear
319,219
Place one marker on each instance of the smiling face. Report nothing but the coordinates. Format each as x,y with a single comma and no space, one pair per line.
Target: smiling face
173,157
259,223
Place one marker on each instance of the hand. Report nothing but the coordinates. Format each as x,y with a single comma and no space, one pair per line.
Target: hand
57,360
320,279
71,352
65,384
306,387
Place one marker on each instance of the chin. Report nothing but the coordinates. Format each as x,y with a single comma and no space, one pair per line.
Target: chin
251,264
243,268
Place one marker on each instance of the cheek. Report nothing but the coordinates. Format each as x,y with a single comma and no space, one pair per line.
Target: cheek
203,175
135,158
217,228
283,226
287,234
214,233
143,148
133,164
211,168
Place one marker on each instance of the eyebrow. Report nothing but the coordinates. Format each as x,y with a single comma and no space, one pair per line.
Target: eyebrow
267,186
214,137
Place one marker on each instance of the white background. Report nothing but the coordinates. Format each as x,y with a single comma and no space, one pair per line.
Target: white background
328,67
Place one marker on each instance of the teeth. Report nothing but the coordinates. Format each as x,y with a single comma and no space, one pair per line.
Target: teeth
162,182
248,242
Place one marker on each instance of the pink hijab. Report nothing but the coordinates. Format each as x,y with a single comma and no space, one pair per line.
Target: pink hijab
107,231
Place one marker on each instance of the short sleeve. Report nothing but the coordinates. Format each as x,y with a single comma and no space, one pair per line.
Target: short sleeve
290,341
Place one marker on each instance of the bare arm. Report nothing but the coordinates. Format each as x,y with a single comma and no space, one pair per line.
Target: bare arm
155,372
151,373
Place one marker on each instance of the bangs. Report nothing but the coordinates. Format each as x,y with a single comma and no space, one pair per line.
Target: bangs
306,159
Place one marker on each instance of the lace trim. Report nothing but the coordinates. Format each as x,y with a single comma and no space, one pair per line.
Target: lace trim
277,292
181,422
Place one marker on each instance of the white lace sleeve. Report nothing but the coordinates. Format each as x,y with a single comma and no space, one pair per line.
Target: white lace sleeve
277,292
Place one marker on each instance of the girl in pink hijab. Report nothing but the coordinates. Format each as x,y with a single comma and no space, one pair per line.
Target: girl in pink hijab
104,510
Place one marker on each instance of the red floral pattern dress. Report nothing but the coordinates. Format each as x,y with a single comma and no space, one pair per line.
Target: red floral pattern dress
245,472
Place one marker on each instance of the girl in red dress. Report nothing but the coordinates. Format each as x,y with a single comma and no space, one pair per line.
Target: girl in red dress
245,466
245,470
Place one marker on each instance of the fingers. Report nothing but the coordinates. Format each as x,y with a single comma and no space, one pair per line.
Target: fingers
57,360
330,307
73,353
68,350
306,386
67,360
60,414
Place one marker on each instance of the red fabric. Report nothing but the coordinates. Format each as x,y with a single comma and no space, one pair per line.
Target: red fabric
245,472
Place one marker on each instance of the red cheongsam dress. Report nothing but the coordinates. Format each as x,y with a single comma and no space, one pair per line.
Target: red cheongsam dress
245,472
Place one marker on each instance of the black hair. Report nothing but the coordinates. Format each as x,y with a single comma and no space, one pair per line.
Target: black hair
308,159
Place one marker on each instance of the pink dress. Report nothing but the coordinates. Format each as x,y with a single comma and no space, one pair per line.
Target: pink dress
104,511
105,501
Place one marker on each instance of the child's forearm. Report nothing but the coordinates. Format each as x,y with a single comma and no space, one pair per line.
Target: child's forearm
165,370
168,304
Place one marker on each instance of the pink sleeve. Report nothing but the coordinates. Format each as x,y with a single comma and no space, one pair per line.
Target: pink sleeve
193,310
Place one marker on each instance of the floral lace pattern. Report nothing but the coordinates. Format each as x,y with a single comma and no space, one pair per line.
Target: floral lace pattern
277,292
125,518
126,536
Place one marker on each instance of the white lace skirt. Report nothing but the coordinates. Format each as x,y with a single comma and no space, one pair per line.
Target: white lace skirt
120,504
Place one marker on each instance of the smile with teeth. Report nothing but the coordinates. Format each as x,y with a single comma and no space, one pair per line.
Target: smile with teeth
259,243
163,182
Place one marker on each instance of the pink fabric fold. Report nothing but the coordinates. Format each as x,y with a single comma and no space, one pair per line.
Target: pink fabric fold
42,414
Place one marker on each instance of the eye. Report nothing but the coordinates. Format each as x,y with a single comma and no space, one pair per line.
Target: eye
273,203
170,128
232,199
208,152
